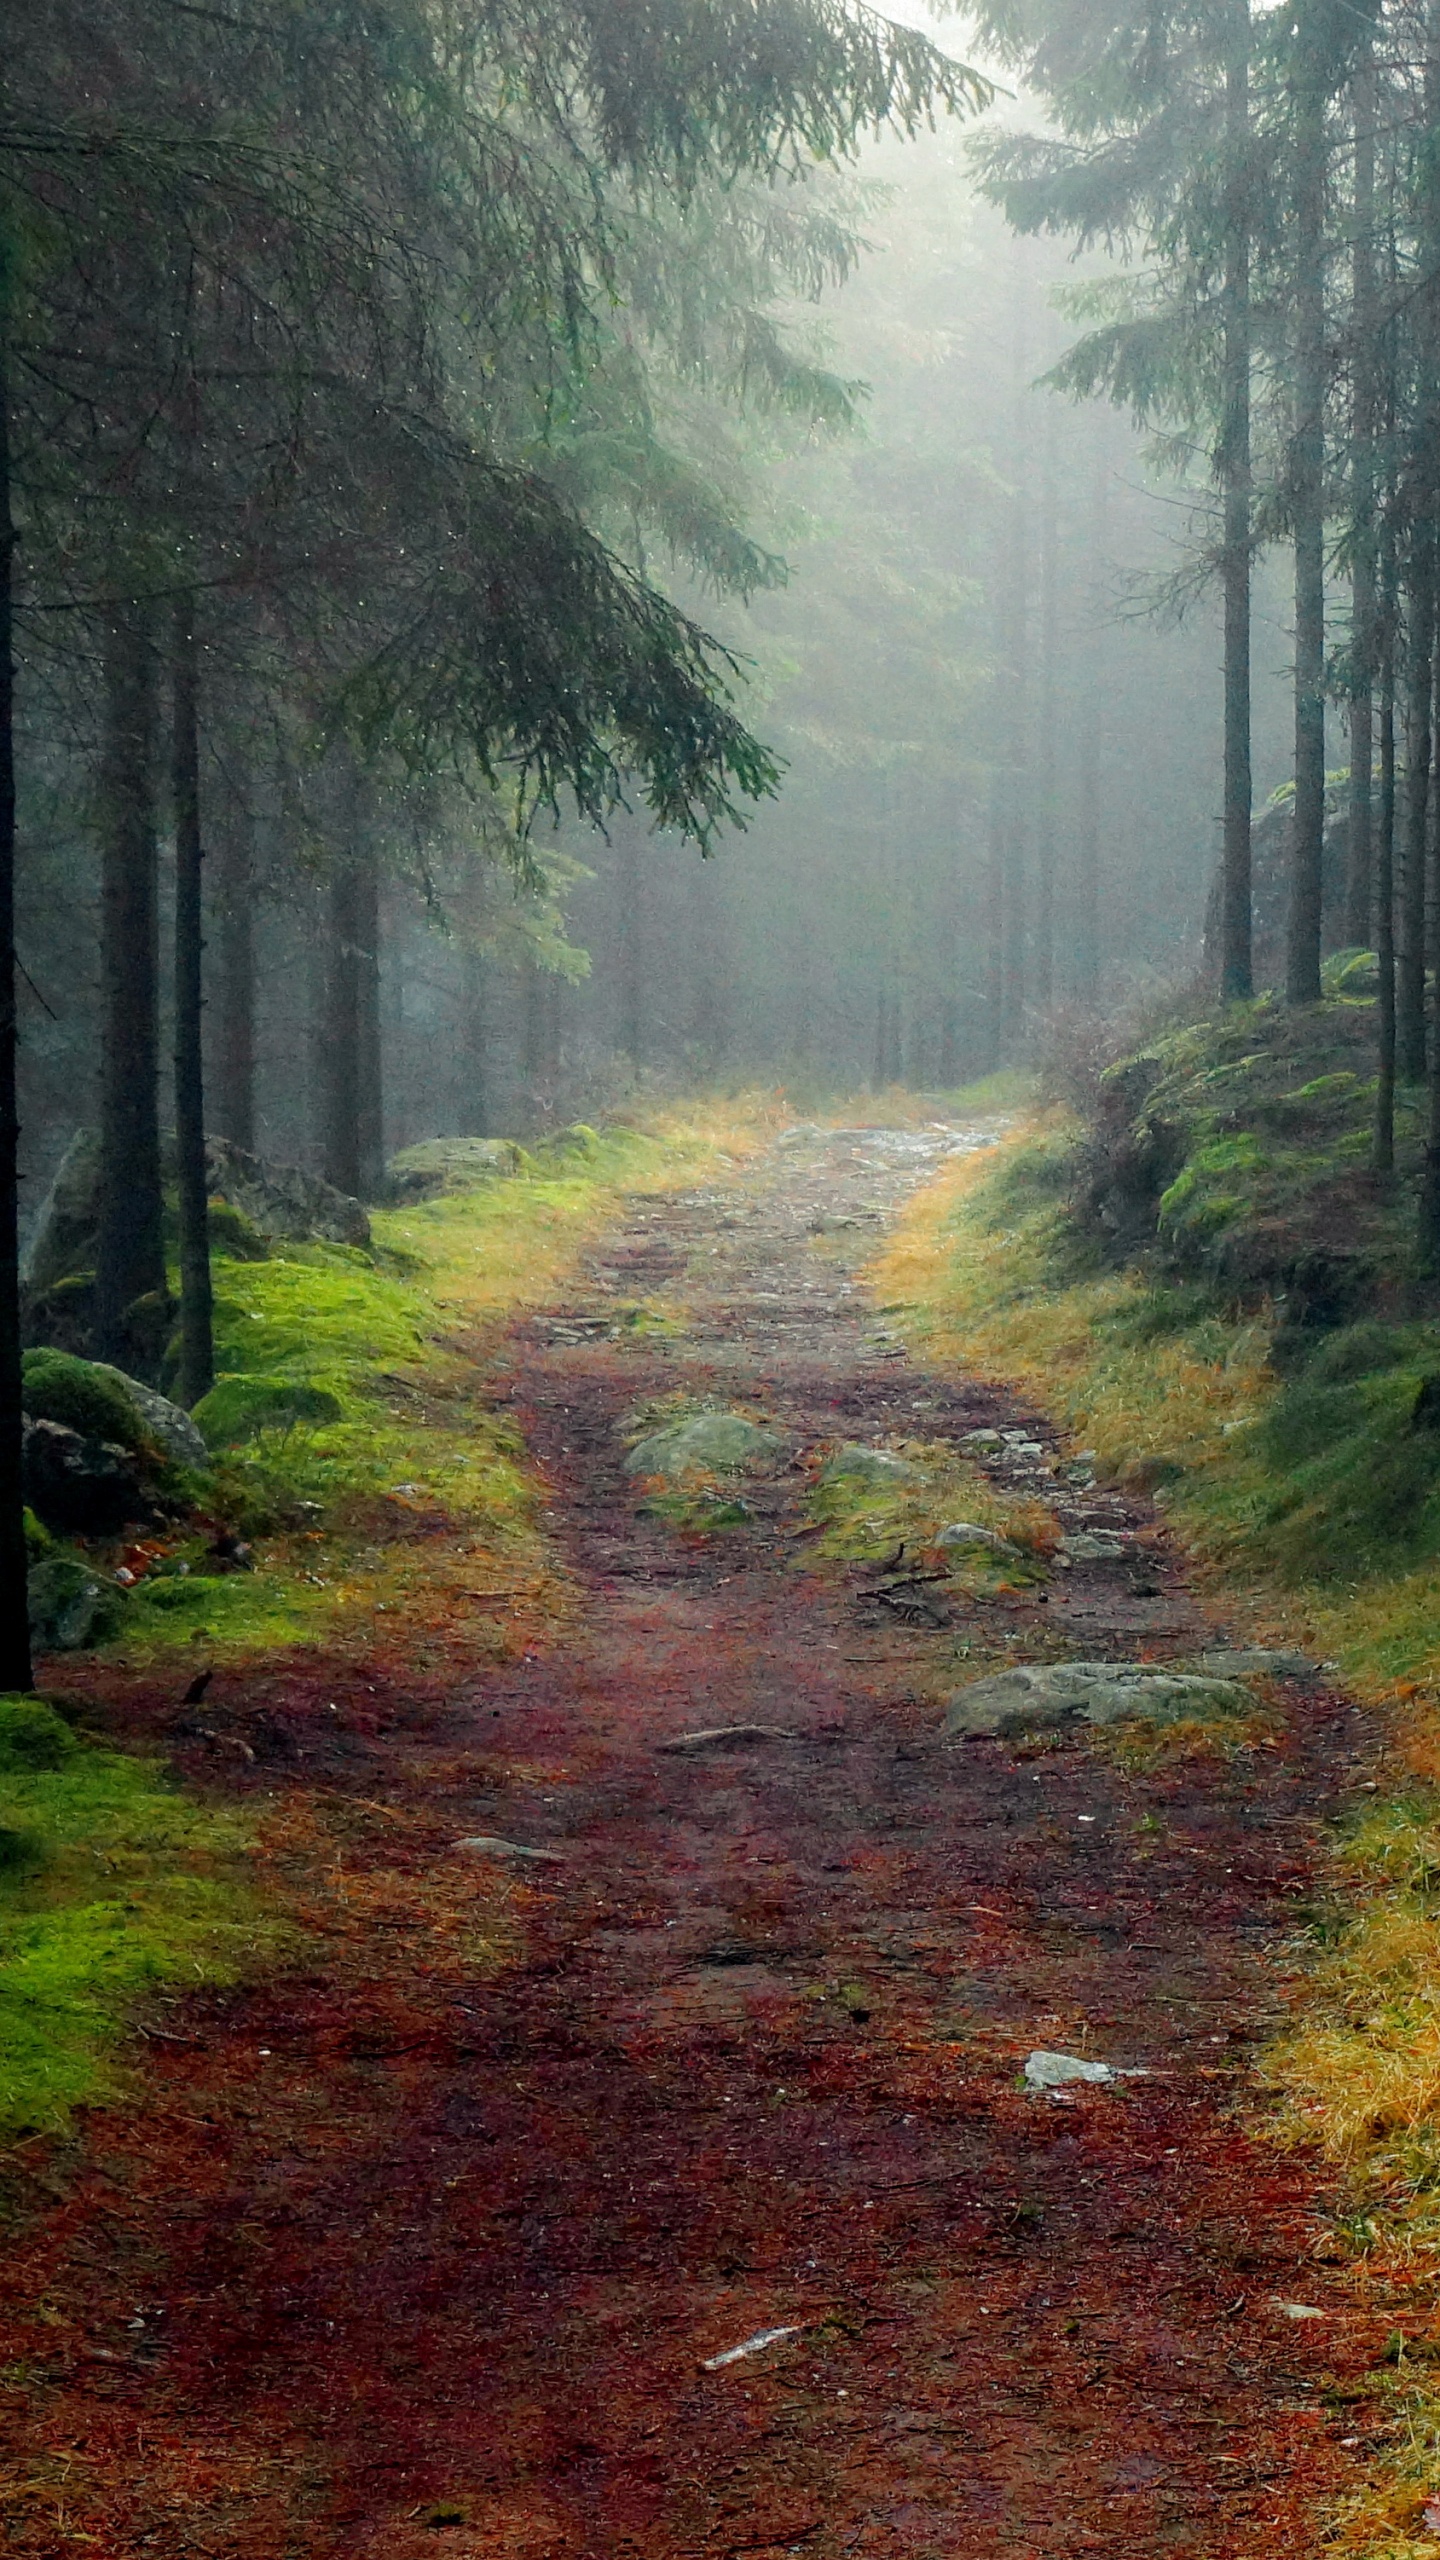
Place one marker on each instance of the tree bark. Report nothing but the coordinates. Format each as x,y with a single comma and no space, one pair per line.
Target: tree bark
352,1125
1410,988
1086,923
130,1251
1303,940
197,1339
632,944
1359,887
1237,981
1043,962
15,1665
476,1044
1384,1149
233,1080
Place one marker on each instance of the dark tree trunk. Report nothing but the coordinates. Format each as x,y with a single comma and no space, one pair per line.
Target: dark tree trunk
1042,975
233,1079
995,927
1384,1155
130,1251
197,1340
15,1666
352,1129
1302,951
372,1069
1236,942
1359,886
476,1045
1085,934
632,943
1419,690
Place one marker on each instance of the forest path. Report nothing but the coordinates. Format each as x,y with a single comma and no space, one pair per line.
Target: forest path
424,2260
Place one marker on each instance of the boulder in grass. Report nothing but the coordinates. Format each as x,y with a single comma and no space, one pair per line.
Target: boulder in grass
71,1606
1041,1697
880,1468
718,1444
440,1165
168,1425
276,1201
87,1488
239,1406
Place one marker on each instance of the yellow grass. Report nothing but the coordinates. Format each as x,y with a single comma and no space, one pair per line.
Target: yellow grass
1357,2075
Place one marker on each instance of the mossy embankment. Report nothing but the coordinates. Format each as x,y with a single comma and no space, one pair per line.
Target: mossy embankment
1198,1272
357,1452
365,1493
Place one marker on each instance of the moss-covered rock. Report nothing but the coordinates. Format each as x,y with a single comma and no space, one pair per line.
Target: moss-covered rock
708,1443
32,1736
87,1397
440,1165
71,1605
238,1407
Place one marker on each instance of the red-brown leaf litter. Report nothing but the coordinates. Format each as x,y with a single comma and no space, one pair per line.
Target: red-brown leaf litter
414,2246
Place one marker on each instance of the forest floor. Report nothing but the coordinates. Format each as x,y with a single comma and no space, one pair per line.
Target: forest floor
426,2238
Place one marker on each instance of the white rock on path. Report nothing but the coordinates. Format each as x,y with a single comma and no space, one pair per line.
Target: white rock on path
1034,1696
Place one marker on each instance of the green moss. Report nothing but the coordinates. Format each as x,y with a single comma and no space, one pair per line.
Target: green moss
60,1388
238,1407
114,1886
233,1236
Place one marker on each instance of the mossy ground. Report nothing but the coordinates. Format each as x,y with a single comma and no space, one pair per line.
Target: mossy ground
1313,1502
412,1495
384,1523
113,1885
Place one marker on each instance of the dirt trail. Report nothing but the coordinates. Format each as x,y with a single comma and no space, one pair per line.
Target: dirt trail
409,2261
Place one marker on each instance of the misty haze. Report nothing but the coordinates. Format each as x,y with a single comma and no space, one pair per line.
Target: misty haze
720,1279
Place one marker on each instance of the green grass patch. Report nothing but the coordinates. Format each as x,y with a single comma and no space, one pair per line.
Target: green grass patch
353,1442
113,1886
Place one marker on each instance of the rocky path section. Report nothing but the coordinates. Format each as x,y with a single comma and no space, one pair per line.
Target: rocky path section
722,2220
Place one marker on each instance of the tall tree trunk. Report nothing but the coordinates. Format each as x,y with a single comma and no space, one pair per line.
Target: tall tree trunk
632,943
1236,940
1043,965
1303,938
130,1251
197,1339
994,986
372,1076
232,1109
1419,695
1359,886
1384,1149
475,1038
1086,921
352,1132
15,1666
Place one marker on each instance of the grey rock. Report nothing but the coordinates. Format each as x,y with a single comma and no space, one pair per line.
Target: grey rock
88,1487
62,1239
725,1737
438,1165
70,1605
281,1200
968,1533
1254,1659
869,1466
486,1844
706,1443
1035,1697
980,1441
1090,1546
168,1424
1061,2070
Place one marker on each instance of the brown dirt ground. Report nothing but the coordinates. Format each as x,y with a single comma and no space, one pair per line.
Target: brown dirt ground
420,2246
